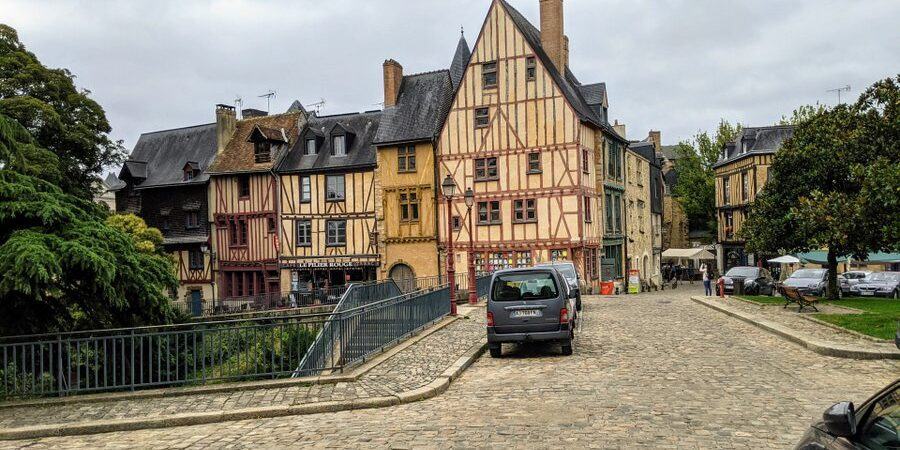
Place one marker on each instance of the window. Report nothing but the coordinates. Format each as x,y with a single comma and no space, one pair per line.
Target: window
311,147
244,186
530,68
165,223
745,186
534,162
262,152
270,225
524,287
192,219
726,190
729,224
482,118
237,229
640,171
406,159
489,213
338,147
640,214
880,430
486,169
305,190
525,211
609,213
489,74
585,161
189,174
304,233
334,186
195,260
587,210
409,205
336,233
456,223
614,162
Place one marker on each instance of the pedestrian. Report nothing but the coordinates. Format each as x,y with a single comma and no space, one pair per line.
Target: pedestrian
707,282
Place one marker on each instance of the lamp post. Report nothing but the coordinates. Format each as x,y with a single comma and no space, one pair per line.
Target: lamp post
470,201
448,187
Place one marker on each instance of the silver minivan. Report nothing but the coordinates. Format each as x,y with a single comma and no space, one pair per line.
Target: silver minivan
530,305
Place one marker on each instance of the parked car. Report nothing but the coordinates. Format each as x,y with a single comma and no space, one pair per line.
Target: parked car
757,281
853,277
809,281
567,269
526,305
881,284
874,425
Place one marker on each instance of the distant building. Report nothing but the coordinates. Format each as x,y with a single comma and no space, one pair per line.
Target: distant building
639,216
741,172
106,191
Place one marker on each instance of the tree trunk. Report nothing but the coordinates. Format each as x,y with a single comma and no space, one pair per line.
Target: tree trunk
832,274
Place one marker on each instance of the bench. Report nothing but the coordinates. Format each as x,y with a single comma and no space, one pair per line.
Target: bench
793,295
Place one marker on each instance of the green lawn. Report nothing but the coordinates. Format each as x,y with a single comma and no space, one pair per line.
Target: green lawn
879,320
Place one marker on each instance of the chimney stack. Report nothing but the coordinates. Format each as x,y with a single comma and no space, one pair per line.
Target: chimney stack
226,122
656,139
619,127
393,76
552,33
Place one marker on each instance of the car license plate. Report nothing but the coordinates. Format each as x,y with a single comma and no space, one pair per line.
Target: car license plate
867,293
525,313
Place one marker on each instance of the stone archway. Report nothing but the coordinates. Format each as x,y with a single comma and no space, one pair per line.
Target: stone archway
404,276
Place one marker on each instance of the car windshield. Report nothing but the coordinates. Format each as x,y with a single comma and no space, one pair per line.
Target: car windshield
566,270
524,286
809,273
746,272
884,276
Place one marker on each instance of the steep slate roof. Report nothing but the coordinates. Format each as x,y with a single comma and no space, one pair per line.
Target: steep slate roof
593,93
755,141
238,155
360,149
568,84
160,156
460,61
645,149
421,108
113,183
669,152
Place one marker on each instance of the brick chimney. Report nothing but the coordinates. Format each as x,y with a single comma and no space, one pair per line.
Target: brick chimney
656,139
552,33
226,122
393,76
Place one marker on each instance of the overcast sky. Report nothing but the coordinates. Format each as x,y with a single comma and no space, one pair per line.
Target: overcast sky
675,66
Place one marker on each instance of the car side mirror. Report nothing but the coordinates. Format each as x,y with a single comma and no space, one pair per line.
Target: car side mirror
840,419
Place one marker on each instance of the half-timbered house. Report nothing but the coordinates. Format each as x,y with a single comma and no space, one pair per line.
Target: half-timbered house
165,182
243,198
528,138
328,203
415,108
741,172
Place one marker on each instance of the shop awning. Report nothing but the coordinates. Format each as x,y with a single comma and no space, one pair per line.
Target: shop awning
687,253
821,257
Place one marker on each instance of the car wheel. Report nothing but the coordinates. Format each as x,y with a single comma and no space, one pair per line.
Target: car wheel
496,352
567,347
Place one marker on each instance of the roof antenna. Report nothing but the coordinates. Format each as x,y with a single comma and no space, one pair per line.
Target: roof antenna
838,90
268,95
317,106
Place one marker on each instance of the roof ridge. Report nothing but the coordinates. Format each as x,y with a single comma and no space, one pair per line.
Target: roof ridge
269,116
178,128
358,113
430,72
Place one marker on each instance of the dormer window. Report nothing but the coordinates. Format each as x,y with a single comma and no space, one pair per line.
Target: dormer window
311,147
188,174
338,145
262,151
190,170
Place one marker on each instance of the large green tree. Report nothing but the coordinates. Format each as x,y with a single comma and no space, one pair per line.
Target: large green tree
835,184
64,267
696,187
60,118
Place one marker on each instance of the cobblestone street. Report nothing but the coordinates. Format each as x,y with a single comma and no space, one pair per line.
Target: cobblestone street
652,370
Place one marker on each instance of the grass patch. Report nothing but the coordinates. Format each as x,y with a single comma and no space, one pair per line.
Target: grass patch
879,319
763,299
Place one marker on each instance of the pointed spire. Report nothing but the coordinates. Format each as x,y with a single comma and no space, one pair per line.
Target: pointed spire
460,59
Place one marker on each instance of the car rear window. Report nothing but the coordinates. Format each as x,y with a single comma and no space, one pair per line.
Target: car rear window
524,286
808,273
747,272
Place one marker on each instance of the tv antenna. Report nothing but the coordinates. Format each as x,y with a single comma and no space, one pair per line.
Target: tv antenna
269,96
317,106
839,90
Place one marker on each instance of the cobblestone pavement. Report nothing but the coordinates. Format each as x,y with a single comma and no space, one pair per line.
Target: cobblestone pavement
649,371
409,369
793,320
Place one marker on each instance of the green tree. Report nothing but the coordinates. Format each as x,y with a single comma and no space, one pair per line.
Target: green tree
61,118
146,239
696,187
834,183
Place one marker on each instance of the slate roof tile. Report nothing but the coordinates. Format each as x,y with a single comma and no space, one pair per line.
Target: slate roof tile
360,148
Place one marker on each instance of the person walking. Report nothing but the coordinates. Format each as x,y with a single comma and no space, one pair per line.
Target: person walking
707,283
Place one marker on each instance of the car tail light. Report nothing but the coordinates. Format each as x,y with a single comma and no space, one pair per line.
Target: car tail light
490,319
563,315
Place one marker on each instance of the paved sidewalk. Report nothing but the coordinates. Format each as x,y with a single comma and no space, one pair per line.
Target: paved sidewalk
805,329
412,368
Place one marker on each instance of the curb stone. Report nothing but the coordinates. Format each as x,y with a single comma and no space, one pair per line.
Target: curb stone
820,347
844,330
432,389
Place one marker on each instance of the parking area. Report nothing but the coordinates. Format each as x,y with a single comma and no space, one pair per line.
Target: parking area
651,370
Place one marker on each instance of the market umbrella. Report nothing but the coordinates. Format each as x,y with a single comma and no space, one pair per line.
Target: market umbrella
786,259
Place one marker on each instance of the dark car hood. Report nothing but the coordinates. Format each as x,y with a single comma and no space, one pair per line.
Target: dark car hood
801,282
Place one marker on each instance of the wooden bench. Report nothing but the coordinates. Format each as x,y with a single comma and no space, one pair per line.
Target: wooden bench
793,295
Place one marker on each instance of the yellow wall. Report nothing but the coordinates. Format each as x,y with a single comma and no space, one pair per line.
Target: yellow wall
637,209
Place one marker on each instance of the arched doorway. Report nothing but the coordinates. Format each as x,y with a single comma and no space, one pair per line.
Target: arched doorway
404,276
646,267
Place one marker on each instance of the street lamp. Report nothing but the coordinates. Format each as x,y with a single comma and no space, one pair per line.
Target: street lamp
448,187
470,201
